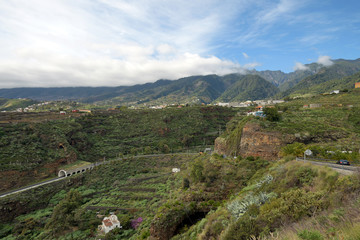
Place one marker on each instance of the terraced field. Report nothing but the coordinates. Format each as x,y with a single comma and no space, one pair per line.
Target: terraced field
132,189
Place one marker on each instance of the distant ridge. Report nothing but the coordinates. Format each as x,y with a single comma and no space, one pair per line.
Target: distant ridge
204,89
201,89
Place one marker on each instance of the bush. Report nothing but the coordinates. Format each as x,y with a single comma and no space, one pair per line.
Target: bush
242,229
296,149
310,235
305,175
272,114
63,216
292,206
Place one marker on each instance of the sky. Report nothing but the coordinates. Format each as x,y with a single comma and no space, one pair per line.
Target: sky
61,43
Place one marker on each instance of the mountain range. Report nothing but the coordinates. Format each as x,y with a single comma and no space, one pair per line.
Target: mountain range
315,78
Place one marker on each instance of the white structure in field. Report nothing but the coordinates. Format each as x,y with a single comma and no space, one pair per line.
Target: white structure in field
109,223
176,170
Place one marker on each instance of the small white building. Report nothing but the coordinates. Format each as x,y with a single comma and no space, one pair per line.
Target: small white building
221,104
109,223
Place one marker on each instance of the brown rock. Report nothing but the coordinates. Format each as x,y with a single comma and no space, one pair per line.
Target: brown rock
258,143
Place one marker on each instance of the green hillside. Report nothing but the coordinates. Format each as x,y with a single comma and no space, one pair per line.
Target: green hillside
340,69
250,87
38,148
345,83
13,104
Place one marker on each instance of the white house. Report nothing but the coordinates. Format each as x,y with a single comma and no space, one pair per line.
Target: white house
109,223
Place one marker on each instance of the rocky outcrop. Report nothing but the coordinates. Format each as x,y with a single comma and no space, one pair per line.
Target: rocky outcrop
256,142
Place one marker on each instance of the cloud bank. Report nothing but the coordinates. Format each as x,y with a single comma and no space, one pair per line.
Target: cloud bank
108,42
37,69
325,61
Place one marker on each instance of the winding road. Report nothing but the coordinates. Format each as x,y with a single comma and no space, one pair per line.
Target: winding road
343,169
78,171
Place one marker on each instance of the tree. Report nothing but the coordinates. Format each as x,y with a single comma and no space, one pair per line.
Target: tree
63,214
272,114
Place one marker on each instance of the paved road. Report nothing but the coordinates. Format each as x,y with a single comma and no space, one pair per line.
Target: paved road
31,186
94,164
343,169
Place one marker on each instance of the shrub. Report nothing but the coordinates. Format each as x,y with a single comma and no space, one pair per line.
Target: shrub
291,206
305,175
272,114
310,235
196,171
242,229
296,149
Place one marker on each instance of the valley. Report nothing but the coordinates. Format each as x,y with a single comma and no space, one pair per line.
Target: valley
190,169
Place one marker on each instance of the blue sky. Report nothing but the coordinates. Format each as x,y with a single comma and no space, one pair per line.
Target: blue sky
113,42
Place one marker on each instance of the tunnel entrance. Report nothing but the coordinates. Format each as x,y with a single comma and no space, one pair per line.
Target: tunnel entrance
62,173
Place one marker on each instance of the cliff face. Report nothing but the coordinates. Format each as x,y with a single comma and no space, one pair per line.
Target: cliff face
255,142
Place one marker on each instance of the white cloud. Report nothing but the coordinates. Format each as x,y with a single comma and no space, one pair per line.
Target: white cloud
325,60
35,69
245,55
109,42
300,67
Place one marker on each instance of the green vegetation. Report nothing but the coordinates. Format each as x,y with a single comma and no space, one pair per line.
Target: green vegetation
272,114
329,78
131,188
275,198
250,87
101,135
13,104
190,90
37,150
326,130
213,196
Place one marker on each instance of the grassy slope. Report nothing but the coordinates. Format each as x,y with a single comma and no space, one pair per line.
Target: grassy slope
13,104
333,124
276,198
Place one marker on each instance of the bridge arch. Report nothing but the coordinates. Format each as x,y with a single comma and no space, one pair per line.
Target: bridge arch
62,173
